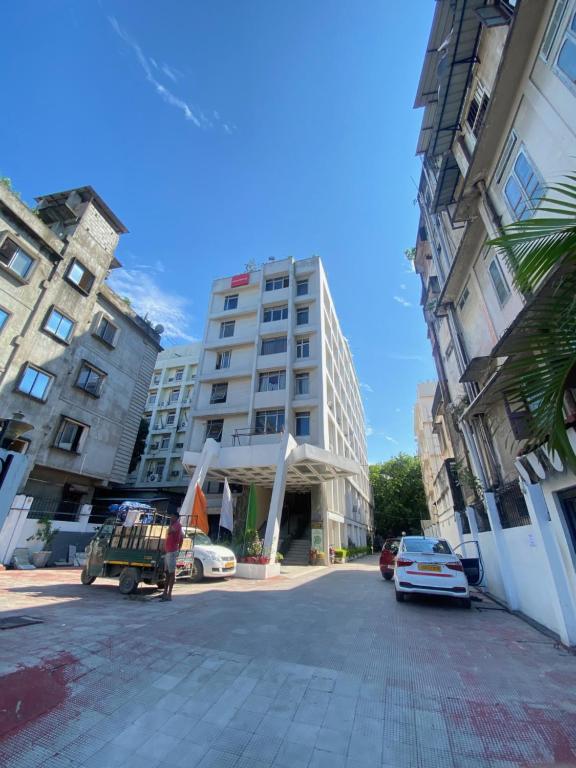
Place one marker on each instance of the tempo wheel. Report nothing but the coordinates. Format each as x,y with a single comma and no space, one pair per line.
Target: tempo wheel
465,602
400,596
197,572
387,576
128,583
85,578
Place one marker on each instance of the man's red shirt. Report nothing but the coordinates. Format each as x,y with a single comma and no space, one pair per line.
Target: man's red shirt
174,538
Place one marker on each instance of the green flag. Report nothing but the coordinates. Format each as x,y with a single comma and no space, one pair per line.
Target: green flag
252,514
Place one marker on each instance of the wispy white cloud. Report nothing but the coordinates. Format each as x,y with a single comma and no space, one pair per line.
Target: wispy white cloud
397,410
369,430
402,286
390,439
402,301
365,386
153,302
150,66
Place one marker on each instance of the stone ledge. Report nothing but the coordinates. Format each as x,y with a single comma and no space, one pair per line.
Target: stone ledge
257,571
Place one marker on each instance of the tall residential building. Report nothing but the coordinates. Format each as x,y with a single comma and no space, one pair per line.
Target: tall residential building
167,412
75,360
275,363
499,125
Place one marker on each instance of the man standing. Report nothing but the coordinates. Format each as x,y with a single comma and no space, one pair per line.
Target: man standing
172,546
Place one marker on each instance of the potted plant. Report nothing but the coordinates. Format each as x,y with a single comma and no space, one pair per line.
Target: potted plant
44,533
340,555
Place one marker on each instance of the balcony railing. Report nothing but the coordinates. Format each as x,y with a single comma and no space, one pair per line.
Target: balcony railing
55,509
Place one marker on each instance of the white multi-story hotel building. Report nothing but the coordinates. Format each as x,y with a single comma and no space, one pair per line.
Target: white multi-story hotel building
168,412
278,393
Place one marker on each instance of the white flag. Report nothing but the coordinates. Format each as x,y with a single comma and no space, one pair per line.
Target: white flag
227,511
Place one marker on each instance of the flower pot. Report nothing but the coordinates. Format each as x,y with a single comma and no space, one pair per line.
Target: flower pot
40,559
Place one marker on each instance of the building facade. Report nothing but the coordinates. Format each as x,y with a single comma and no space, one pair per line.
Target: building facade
275,362
167,412
75,360
497,90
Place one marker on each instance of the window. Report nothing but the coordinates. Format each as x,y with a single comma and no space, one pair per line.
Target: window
463,298
152,398
302,288
179,374
219,393
274,346
567,57
79,276
156,377
271,314
34,382
302,315
3,318
107,331
302,348
174,395
15,259
276,283
90,379
59,325
170,418
223,359
213,486
231,302
70,434
477,110
227,329
272,381
302,423
179,445
214,429
302,383
164,442
269,422
499,281
523,189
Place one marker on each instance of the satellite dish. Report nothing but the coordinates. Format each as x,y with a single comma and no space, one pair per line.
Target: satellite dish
159,328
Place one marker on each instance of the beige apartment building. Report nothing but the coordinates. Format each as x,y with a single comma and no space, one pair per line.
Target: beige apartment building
75,360
499,126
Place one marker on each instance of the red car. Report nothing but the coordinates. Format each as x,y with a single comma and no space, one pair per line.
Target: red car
388,557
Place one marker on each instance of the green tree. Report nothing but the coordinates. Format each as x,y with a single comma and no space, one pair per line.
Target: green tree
399,499
541,253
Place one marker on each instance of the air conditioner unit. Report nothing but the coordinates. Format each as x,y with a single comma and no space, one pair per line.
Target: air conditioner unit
153,478
171,379
175,473
154,447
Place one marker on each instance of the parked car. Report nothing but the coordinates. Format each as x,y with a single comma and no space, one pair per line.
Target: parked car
210,560
429,566
388,557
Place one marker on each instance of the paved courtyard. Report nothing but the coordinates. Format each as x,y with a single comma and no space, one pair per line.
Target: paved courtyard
316,669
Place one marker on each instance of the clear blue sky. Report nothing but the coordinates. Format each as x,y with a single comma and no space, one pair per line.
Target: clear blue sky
228,130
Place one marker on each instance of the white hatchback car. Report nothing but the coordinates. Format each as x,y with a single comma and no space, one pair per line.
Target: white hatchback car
210,560
429,566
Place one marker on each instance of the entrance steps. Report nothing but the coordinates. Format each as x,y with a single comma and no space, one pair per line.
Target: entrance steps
299,553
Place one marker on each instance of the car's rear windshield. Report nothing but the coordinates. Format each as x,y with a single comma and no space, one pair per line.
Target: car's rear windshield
434,546
391,544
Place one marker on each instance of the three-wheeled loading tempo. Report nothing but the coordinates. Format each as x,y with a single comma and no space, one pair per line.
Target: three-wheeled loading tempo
130,548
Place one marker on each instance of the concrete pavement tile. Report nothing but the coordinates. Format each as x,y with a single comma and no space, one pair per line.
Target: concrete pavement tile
173,702
82,748
204,733
318,697
193,707
59,761
285,708
158,746
153,719
111,755
293,755
30,758
216,759
132,737
311,714
258,703
321,759
332,740
178,725
303,733
233,740
274,725
344,707
322,684
167,682
262,747
250,762
362,747
336,721
246,719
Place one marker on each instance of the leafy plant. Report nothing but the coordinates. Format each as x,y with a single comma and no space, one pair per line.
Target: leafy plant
541,253
45,532
399,499
279,557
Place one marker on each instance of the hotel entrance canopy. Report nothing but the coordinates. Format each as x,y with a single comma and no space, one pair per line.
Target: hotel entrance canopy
306,465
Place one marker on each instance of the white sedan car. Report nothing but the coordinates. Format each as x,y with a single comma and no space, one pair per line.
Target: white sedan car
429,566
210,560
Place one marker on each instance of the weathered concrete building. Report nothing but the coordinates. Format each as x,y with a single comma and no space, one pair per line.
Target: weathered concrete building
499,124
75,360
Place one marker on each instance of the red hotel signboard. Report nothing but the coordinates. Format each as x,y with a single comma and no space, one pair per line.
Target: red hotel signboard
239,280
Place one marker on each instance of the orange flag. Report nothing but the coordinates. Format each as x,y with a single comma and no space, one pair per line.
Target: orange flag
199,514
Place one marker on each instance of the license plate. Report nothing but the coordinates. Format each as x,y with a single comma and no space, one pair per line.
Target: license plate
229,565
429,567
